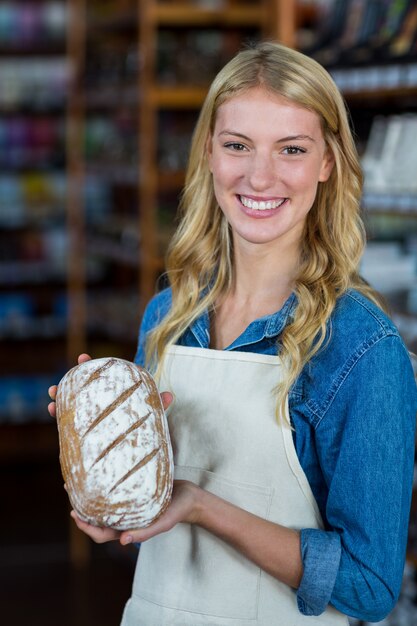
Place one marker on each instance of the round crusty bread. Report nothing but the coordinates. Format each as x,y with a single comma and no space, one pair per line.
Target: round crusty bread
115,450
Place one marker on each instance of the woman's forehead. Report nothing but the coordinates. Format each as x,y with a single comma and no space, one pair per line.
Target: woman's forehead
257,107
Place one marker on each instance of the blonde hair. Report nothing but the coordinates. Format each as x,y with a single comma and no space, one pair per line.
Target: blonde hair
200,257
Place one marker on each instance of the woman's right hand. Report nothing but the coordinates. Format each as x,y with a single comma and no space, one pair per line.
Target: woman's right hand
98,534
52,390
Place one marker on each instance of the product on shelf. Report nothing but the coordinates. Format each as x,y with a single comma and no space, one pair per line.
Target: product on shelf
36,82
22,398
32,23
387,268
390,157
102,303
365,32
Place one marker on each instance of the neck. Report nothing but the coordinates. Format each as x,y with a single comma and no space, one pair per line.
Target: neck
263,280
264,275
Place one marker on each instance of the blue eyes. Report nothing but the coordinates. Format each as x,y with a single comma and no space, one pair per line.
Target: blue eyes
287,150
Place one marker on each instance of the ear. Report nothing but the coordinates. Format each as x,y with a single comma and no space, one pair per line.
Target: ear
326,166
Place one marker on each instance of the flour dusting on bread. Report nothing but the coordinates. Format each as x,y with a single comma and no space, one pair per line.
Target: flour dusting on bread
115,450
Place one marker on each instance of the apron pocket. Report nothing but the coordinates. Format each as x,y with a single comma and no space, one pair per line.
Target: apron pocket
188,569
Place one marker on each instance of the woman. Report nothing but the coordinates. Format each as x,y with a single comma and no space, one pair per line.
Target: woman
294,398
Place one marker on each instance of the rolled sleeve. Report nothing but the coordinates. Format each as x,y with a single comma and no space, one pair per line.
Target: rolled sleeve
365,447
320,553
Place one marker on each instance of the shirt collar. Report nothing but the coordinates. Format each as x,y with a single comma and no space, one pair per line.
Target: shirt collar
268,326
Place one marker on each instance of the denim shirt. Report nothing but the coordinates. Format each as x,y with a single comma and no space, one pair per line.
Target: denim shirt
353,409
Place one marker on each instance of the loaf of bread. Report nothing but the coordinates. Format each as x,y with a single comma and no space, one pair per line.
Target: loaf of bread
115,450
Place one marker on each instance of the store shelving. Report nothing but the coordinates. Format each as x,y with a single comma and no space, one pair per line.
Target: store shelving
34,74
104,214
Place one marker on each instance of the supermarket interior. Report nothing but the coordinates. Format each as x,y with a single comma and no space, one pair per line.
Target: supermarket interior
98,100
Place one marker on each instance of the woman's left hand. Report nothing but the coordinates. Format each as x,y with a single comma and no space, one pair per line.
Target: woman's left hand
182,508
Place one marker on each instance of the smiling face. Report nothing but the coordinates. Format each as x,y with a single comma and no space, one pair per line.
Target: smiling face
267,156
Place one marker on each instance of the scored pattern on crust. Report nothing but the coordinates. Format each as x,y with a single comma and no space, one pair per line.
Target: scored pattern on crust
121,438
109,409
136,468
97,373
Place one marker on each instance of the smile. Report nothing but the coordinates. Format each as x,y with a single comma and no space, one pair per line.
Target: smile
262,205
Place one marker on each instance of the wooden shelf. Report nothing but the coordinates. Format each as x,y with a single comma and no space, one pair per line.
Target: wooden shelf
116,173
186,15
306,12
170,181
392,213
369,96
122,20
109,98
38,49
187,97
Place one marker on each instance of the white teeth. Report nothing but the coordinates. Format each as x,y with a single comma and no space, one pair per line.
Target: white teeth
261,205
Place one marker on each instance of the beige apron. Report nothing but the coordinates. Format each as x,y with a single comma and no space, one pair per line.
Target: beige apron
227,440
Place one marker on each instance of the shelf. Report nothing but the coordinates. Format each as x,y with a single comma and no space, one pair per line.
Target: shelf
39,217
186,15
392,204
33,272
123,20
114,251
384,93
377,82
41,329
40,48
187,97
110,98
307,12
390,213
116,174
170,181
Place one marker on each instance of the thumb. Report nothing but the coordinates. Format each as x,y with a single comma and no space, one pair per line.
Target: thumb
82,358
167,398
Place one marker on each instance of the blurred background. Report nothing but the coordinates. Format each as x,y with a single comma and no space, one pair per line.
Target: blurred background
97,104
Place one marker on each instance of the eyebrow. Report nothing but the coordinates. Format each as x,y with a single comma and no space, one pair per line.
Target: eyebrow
282,140
296,138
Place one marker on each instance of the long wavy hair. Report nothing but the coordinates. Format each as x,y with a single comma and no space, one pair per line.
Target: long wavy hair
199,261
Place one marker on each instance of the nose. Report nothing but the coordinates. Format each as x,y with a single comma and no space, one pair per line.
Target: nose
262,172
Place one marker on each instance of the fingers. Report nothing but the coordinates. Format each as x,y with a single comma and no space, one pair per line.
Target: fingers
167,399
53,388
51,405
52,392
178,510
96,533
83,358
138,535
